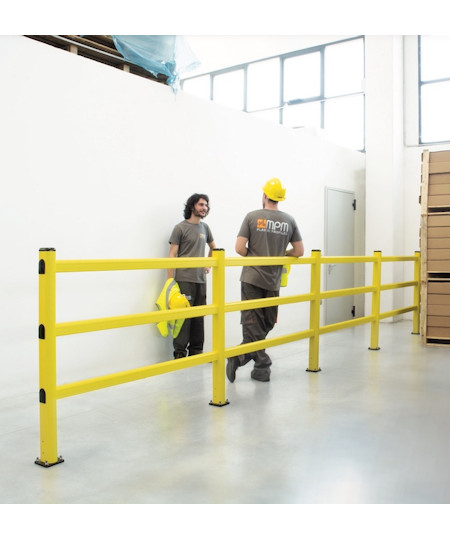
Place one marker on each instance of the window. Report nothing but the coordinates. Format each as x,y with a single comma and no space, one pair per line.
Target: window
303,115
320,87
434,89
228,89
302,77
199,86
344,68
263,85
344,120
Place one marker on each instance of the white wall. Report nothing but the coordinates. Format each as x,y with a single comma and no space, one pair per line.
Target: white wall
98,163
384,148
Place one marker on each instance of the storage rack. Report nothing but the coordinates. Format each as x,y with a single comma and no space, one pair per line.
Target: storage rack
435,248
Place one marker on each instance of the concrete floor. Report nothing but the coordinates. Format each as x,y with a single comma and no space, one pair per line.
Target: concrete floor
371,427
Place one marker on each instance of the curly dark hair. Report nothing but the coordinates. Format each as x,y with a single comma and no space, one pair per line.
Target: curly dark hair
192,201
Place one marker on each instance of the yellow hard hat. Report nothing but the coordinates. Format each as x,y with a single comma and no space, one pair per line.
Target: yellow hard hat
178,301
274,190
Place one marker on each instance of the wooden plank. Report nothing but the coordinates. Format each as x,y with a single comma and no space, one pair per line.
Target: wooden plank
95,44
423,243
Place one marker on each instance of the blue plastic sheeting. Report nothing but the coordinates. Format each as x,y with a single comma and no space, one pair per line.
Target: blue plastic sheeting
166,55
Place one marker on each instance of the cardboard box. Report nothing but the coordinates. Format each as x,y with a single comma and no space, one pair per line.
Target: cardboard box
440,167
439,201
439,254
437,300
438,243
438,232
441,155
434,320
439,287
440,310
439,189
439,220
438,179
438,266
438,332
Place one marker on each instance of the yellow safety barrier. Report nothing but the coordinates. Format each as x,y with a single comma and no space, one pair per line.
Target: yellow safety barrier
49,329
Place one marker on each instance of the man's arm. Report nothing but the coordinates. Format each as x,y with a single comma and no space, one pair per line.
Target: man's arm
241,246
173,252
297,249
212,246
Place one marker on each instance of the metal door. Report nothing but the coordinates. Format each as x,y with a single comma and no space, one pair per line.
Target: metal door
340,208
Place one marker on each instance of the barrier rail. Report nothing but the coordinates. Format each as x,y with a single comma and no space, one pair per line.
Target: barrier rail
49,329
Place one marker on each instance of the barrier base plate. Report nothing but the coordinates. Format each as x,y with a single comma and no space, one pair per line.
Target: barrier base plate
46,464
220,404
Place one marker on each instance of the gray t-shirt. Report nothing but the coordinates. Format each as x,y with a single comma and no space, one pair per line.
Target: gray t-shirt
269,232
191,239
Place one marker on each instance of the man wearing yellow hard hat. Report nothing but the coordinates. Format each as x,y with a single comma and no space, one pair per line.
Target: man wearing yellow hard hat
266,232
189,239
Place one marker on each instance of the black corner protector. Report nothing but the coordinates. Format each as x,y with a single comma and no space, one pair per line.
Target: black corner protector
313,370
316,250
218,249
47,249
41,331
220,404
46,464
42,396
377,349
41,266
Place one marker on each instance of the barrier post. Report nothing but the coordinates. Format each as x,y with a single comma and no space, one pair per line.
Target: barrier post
218,330
416,313
376,282
47,359
314,311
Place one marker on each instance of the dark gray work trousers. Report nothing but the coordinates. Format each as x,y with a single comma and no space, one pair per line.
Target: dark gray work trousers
192,335
256,324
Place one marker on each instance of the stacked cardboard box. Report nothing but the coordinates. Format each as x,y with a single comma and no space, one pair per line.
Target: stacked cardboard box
435,247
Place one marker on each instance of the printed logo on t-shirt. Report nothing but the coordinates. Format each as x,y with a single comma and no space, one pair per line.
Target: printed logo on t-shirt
268,225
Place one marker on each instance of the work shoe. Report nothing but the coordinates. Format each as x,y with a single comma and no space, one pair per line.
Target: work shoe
177,355
262,375
232,365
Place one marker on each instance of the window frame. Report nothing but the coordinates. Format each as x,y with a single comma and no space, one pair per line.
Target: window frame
281,105
421,84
